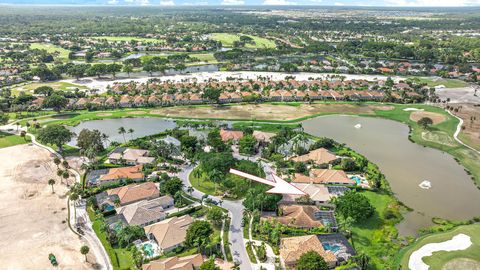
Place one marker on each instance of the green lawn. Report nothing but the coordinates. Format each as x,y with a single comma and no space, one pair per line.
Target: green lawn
448,83
129,38
205,186
439,259
228,39
376,237
204,57
7,140
50,48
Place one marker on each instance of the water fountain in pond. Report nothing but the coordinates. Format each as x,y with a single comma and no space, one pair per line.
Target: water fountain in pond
425,184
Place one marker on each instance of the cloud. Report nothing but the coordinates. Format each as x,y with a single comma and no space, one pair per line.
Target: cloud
433,3
233,2
339,4
195,3
278,3
112,2
167,3
137,2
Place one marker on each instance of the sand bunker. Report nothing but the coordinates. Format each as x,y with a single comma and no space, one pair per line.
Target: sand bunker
436,117
412,109
136,112
104,114
458,242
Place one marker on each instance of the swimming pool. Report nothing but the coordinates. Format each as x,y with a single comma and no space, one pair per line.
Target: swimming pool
357,179
332,247
148,249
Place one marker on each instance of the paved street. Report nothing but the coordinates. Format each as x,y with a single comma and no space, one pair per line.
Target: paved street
235,208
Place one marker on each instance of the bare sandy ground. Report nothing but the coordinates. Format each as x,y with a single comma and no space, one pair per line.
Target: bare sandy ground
471,123
459,95
33,221
266,111
436,117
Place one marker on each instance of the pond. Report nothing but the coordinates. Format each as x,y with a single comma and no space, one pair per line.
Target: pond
141,127
452,195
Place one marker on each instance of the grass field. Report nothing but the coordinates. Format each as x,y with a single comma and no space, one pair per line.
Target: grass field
129,38
204,57
448,83
7,140
50,48
439,259
63,86
228,40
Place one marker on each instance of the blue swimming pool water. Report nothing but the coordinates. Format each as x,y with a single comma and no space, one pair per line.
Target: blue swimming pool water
109,207
332,247
357,179
148,248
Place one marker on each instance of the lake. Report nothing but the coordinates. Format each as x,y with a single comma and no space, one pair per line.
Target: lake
142,127
453,194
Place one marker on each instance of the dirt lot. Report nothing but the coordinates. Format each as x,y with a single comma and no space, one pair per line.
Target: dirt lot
267,111
471,123
436,117
33,220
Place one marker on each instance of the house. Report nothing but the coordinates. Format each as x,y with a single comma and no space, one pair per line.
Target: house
171,140
292,248
126,195
130,156
325,176
319,156
145,212
289,148
228,135
305,216
170,233
116,175
191,262
263,137
316,193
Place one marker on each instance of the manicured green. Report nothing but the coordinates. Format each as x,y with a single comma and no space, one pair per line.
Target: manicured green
439,259
228,39
7,140
63,86
448,83
50,48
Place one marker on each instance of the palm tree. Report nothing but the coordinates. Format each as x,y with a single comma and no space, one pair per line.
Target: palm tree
362,260
57,161
121,130
74,197
65,175
104,138
190,190
215,176
51,182
84,250
130,131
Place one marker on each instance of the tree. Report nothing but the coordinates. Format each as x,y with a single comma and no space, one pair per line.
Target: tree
425,122
215,215
172,186
128,234
198,234
51,182
57,162
247,144
209,265
55,101
311,261
355,205
55,134
121,130
212,94
362,260
127,68
131,131
90,139
44,90
3,118
84,250
114,68
215,141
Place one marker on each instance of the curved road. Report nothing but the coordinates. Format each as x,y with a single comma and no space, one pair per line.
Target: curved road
235,208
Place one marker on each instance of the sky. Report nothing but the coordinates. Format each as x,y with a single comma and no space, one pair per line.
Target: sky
399,3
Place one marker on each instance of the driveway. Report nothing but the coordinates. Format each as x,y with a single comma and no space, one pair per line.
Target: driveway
235,209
